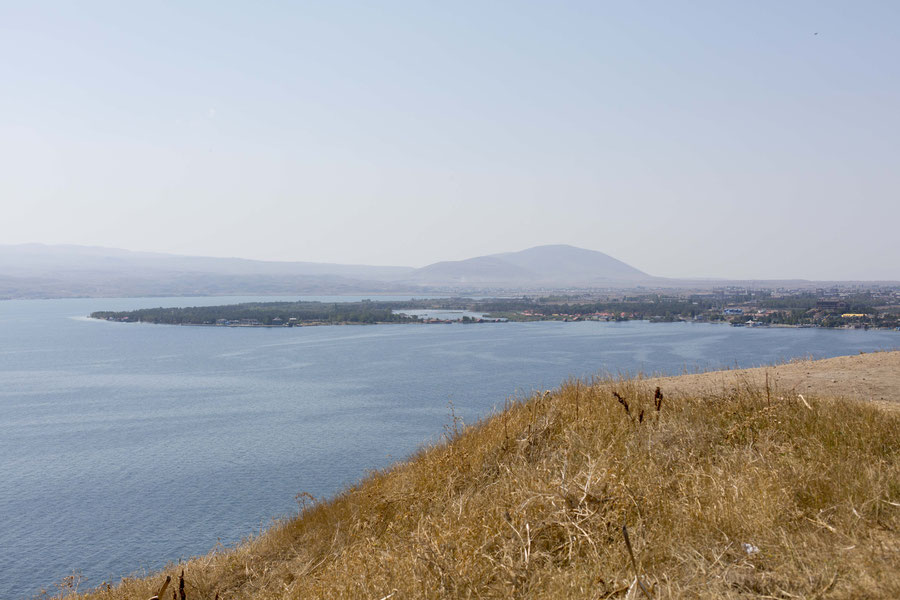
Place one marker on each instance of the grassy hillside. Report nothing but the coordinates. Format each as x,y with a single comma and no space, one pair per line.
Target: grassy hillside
745,492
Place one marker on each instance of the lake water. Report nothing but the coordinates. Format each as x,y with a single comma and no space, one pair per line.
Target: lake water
125,446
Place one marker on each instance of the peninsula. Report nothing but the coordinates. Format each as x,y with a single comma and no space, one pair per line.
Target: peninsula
833,308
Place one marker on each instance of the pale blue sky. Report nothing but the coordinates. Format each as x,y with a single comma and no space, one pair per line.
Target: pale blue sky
687,139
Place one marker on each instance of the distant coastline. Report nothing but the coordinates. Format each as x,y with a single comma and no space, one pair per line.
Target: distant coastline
739,309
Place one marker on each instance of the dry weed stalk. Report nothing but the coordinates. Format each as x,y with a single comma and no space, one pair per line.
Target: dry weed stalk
162,588
634,564
622,401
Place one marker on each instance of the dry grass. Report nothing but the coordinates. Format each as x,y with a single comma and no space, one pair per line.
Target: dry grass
531,502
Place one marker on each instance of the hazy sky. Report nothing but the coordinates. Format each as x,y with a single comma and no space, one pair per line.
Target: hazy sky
722,139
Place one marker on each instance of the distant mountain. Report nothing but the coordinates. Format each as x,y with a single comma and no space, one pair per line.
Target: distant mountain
41,271
480,270
542,265
39,259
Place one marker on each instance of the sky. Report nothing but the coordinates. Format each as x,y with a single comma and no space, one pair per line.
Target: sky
688,139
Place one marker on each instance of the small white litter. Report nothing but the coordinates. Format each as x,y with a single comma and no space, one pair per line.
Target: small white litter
749,548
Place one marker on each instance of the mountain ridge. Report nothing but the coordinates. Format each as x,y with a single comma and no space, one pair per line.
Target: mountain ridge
64,271
547,264
38,270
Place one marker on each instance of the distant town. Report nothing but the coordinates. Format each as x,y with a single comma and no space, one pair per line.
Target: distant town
836,307
854,307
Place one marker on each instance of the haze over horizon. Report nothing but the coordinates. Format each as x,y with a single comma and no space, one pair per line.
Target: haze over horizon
724,141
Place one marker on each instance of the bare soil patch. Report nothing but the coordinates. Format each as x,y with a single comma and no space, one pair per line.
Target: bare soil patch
872,376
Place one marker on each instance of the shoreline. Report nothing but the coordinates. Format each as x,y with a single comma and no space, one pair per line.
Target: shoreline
367,540
496,321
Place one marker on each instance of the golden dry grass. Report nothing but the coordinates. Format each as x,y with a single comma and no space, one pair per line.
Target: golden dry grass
530,503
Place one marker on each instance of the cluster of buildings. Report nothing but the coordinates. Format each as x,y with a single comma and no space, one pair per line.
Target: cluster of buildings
276,322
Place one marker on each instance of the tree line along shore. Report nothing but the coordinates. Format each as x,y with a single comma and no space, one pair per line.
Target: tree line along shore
743,308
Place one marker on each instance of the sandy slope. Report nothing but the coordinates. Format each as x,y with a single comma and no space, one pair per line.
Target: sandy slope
873,376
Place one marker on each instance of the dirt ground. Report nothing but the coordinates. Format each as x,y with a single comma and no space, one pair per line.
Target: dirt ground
872,376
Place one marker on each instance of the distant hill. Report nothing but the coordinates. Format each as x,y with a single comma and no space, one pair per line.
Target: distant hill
541,265
480,270
42,271
39,259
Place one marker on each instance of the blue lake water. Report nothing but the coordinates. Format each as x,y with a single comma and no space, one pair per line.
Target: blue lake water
126,446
